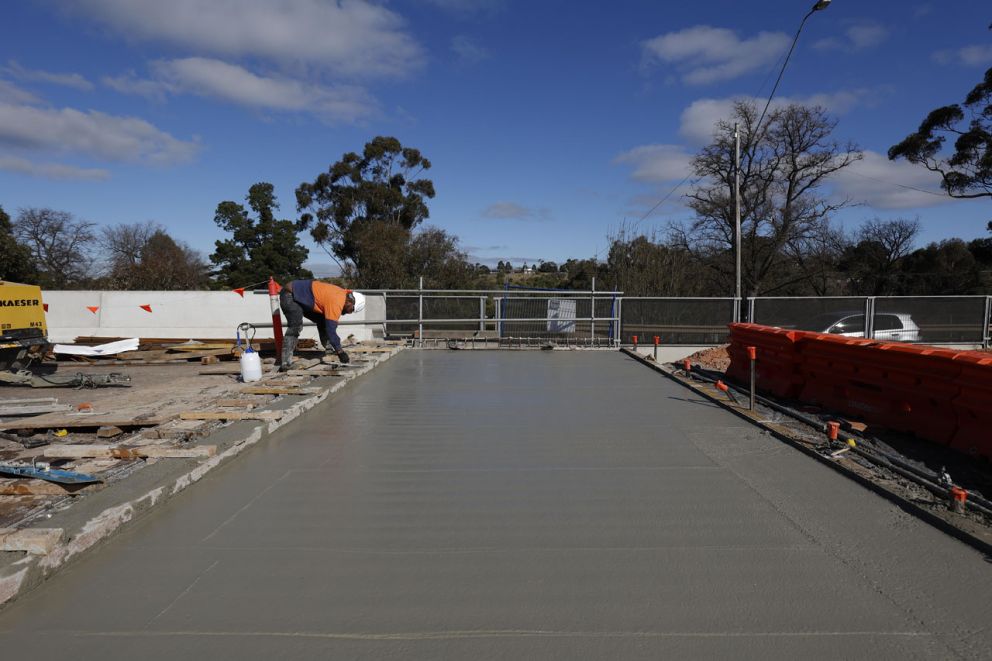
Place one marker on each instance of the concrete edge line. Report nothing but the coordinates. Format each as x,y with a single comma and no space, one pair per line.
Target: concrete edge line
904,504
32,570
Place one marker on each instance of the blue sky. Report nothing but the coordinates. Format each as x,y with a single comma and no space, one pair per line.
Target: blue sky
548,122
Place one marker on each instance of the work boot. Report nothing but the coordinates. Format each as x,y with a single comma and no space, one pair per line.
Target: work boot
288,347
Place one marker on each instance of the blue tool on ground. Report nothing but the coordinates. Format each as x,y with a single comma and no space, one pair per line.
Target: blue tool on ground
48,474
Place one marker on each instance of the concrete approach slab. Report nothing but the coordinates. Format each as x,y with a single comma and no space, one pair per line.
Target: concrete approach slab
507,505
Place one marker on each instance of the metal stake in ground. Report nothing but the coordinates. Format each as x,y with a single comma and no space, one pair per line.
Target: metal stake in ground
752,354
276,318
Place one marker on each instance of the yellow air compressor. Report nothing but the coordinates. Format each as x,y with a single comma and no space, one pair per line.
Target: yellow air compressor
23,333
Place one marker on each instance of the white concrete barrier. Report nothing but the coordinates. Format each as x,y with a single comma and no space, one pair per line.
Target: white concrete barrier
178,314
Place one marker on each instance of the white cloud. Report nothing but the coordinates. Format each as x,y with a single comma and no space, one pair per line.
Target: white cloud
13,94
699,120
883,184
74,80
51,170
351,37
514,211
92,133
467,51
657,163
705,54
970,56
857,37
129,83
232,83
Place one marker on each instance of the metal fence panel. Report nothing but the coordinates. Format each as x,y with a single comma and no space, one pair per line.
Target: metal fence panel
930,319
813,314
677,320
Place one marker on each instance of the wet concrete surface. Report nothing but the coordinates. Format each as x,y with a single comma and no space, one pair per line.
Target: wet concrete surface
507,505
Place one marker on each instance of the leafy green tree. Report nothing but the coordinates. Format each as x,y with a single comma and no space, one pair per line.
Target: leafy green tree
258,247
381,184
395,258
16,264
967,172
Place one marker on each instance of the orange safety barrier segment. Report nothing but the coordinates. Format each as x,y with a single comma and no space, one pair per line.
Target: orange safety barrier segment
941,395
777,371
973,404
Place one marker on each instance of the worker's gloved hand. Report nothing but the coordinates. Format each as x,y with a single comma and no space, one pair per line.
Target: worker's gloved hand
343,357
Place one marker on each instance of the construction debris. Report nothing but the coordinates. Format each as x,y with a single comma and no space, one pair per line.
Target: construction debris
118,452
36,541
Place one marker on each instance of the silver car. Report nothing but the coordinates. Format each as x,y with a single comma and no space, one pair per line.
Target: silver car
888,326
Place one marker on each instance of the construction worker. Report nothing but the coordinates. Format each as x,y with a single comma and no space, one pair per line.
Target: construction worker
321,303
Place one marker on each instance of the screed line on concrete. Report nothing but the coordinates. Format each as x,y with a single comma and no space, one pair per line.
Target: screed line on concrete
511,505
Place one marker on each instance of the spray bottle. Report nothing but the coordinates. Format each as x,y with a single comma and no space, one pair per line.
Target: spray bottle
251,363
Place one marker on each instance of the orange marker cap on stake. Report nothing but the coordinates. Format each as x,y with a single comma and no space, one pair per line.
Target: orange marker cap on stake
752,353
833,428
657,339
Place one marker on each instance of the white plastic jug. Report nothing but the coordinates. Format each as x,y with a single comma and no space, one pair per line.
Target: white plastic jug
251,366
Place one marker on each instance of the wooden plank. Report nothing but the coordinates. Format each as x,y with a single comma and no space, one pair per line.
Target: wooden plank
28,487
208,346
315,372
241,403
31,409
230,415
54,421
267,344
228,368
117,452
279,390
36,541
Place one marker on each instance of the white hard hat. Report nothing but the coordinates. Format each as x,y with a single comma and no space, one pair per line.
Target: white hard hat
359,301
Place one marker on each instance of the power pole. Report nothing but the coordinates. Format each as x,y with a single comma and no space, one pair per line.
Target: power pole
737,219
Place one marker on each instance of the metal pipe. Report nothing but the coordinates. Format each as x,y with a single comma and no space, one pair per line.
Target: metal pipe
592,311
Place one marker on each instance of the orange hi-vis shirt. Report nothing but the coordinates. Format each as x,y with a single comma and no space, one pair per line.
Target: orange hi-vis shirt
324,299
328,300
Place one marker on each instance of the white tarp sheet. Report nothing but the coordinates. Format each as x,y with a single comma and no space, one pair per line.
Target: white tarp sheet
108,349
561,315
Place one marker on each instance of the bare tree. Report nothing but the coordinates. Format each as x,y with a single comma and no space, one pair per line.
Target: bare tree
60,246
783,169
122,246
873,262
144,256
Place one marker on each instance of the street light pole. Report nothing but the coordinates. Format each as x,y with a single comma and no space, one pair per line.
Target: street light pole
755,138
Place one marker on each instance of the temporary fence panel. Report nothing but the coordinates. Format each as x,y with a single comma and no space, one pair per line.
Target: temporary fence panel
677,320
838,315
930,319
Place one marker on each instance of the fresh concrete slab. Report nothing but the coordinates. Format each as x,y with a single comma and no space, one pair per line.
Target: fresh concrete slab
552,505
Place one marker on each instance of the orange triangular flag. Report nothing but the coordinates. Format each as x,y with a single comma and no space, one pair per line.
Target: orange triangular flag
45,305
146,308
240,291
93,308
